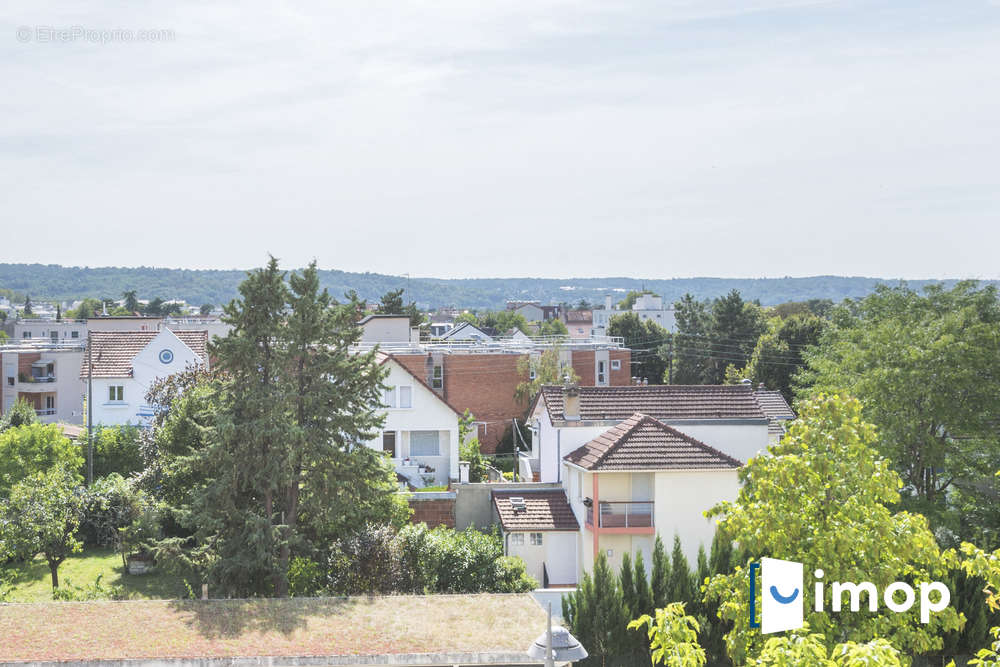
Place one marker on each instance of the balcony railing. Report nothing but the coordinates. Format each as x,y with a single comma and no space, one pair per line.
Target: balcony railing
630,514
45,412
39,378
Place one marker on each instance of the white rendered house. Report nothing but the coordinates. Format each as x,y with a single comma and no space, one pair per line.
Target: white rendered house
420,433
122,365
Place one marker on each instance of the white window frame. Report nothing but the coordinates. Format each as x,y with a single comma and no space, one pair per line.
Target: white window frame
537,539
423,454
389,397
602,375
112,393
616,364
404,400
517,539
437,376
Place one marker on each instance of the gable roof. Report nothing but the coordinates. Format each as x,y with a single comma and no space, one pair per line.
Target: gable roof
643,443
544,510
773,404
465,327
384,357
112,352
665,402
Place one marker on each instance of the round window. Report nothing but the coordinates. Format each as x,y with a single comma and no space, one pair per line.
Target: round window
166,356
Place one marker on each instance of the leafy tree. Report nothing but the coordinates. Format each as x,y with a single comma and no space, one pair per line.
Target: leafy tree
596,615
468,449
547,368
673,637
42,516
117,450
648,342
31,449
206,309
552,328
504,320
290,406
131,299
810,649
113,508
88,308
823,498
778,353
632,297
154,307
692,320
21,413
926,368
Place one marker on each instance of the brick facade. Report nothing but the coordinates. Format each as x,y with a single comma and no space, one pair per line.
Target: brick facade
433,512
484,384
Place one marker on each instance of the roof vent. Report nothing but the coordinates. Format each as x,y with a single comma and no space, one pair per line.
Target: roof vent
517,504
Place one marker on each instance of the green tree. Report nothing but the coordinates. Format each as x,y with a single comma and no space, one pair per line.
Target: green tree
673,637
21,413
88,308
643,592
811,649
632,297
546,368
154,307
34,448
392,304
503,321
468,449
42,516
926,368
681,586
552,328
777,357
648,342
823,498
206,309
596,615
691,351
27,306
735,327
117,450
289,407
131,301
661,574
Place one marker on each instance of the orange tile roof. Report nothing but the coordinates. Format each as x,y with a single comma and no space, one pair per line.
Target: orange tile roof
544,510
112,352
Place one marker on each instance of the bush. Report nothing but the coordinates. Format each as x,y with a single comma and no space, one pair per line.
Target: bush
19,414
116,450
34,448
70,592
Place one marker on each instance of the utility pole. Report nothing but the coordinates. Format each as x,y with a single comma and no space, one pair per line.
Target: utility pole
90,410
670,360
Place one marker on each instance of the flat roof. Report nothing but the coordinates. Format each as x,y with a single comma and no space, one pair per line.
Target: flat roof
427,629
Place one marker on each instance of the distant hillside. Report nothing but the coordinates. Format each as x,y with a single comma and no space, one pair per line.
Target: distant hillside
50,281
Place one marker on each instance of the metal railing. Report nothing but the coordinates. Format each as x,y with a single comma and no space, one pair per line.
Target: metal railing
496,345
45,412
627,514
34,379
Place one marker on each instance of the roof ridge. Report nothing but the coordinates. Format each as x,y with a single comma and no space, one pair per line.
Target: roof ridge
618,439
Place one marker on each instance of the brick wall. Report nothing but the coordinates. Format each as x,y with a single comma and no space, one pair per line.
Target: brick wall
484,384
433,511
24,361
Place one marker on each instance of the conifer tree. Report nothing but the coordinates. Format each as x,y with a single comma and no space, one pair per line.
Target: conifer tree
661,575
681,587
643,593
596,613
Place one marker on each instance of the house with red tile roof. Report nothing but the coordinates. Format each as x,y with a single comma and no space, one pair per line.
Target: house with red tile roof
727,417
120,366
539,526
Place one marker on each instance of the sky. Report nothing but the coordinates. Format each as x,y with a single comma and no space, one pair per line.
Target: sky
641,138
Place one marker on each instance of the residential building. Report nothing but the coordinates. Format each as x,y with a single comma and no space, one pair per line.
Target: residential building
642,478
45,375
482,376
124,323
212,324
388,329
533,311
777,410
466,331
420,433
648,307
54,331
441,322
124,364
579,323
563,418
539,526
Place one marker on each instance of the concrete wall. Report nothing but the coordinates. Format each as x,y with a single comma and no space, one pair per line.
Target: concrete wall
386,330
739,440
681,500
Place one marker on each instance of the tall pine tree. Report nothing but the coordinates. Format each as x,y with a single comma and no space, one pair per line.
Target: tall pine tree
661,575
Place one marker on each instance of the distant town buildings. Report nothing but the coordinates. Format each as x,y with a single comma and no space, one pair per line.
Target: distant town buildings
649,307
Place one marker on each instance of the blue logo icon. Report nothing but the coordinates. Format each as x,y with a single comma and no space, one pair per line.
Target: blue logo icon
783,599
166,356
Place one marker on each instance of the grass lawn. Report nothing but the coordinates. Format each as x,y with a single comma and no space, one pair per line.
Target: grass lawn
32,582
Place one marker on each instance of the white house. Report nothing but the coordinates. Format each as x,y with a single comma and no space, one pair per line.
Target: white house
727,417
55,331
647,307
467,331
420,433
123,365
46,376
641,479
388,329
538,525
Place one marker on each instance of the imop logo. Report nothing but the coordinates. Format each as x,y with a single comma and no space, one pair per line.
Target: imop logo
781,590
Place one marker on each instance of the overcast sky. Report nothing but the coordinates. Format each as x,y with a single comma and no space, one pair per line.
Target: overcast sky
478,138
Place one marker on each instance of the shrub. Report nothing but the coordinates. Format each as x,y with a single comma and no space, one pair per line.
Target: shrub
117,450
34,448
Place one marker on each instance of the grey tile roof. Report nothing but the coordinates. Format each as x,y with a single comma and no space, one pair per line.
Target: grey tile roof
667,402
544,510
643,443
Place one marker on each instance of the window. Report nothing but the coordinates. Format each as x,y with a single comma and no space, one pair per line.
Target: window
26,334
116,393
389,443
50,403
74,334
425,443
406,397
536,539
616,364
516,539
10,381
54,336
532,374
437,377
601,376
389,399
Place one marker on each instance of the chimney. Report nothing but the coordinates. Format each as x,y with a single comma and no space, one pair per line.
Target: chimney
645,382
571,401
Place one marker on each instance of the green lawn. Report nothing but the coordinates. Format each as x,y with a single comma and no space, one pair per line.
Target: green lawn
32,582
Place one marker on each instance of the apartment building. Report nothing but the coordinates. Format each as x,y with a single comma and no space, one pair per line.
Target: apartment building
45,375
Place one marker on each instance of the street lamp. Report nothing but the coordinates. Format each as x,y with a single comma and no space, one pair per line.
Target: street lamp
556,645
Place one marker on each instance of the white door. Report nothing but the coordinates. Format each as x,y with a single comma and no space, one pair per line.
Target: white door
560,558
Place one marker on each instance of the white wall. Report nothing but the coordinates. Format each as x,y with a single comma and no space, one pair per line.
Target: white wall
429,413
681,499
741,441
386,330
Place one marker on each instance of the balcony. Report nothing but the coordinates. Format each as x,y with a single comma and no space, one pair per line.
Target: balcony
619,515
45,412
